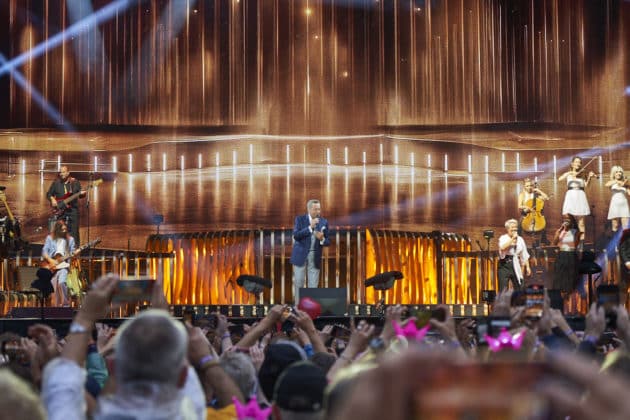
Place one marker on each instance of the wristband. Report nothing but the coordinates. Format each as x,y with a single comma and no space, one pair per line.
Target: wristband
205,359
209,365
569,332
76,328
591,339
344,357
226,335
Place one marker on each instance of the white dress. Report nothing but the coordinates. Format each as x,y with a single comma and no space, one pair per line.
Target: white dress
575,201
618,202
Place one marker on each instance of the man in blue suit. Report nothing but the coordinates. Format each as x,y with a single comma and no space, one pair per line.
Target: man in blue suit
310,234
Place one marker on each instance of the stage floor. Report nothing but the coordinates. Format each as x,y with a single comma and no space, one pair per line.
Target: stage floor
416,196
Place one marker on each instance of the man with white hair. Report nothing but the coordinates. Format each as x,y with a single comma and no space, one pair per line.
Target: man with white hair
153,379
514,257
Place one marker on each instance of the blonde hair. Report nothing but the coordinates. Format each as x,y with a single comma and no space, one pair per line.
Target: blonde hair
614,170
510,222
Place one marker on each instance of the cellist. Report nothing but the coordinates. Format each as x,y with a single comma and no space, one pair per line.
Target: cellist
526,204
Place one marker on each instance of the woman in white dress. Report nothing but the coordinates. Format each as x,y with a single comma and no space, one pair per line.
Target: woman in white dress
575,202
618,210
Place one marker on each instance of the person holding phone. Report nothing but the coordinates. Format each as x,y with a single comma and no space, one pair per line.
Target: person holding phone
514,258
310,234
567,238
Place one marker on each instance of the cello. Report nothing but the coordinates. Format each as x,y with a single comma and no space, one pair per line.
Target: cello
534,221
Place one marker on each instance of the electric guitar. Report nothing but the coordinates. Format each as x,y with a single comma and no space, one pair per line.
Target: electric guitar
64,200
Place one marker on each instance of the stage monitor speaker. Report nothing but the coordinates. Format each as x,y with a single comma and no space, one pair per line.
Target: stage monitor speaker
25,276
49,313
333,300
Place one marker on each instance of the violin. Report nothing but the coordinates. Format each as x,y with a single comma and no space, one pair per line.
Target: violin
534,221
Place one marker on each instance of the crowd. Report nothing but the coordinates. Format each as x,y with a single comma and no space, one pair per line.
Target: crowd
514,364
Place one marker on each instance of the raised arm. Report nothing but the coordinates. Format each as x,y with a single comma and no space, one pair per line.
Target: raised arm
565,175
249,339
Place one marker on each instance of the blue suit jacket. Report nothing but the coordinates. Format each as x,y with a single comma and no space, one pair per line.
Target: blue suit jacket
302,244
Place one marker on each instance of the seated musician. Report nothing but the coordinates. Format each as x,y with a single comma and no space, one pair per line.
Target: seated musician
59,245
527,198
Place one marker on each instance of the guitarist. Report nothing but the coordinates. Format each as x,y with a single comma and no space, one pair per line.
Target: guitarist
61,188
59,244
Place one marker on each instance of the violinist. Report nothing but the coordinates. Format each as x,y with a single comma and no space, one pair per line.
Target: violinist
575,202
618,211
530,204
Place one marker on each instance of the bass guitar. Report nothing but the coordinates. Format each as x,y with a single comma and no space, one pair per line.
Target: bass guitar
64,200
47,270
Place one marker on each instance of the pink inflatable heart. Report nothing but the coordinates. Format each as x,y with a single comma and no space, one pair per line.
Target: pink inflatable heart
310,306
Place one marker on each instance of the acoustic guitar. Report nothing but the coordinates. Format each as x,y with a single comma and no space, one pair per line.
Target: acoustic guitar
63,201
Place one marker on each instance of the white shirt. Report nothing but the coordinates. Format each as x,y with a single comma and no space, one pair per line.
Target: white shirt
518,252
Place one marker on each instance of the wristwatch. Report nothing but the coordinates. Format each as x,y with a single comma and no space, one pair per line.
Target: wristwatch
76,328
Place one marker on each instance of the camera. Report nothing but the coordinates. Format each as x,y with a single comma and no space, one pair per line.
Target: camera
488,234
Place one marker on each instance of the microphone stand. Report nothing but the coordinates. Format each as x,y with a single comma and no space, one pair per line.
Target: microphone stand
87,204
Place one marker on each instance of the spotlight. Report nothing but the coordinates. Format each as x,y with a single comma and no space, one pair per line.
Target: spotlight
384,281
253,284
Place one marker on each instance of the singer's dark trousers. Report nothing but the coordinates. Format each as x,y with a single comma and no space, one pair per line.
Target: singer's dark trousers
506,274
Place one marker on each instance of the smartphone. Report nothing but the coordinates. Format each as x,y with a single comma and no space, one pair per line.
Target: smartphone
482,391
608,298
133,290
341,332
534,301
424,315
518,298
497,323
189,315
482,328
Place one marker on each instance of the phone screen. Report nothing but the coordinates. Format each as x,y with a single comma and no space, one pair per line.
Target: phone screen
133,290
534,302
608,298
424,315
483,391
496,324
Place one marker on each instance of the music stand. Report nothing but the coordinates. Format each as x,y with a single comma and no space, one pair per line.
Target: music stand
589,267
